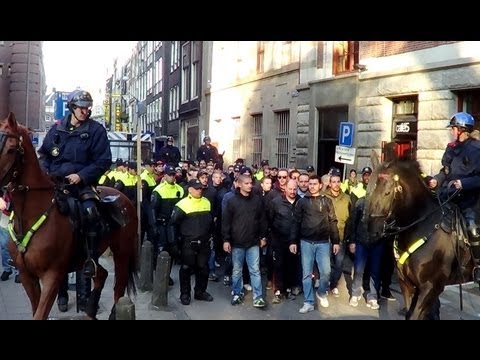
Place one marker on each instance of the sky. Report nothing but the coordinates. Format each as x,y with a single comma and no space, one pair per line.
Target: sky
84,64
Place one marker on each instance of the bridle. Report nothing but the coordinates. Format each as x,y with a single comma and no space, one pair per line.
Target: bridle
389,225
13,171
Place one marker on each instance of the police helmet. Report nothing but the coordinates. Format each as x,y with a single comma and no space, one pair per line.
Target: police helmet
79,98
462,120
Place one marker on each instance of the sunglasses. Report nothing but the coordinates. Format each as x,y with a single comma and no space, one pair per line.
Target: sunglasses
283,177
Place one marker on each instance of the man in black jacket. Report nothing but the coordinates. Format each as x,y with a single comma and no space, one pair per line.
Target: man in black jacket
244,228
281,220
315,228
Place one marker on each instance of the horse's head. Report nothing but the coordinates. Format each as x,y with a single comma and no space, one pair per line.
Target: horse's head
11,149
394,189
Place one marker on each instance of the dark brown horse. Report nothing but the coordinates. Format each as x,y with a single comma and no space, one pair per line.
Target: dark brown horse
431,250
48,256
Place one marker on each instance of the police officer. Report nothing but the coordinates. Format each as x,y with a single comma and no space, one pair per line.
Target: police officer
148,184
169,154
78,151
207,151
163,199
192,217
461,169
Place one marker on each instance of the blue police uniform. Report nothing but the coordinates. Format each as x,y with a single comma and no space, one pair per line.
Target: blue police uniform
461,161
85,151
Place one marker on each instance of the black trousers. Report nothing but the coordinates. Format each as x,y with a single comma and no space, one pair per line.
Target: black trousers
194,260
285,265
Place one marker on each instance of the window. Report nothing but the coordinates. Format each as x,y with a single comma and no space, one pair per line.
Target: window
260,56
257,125
469,101
185,72
405,127
173,103
345,56
195,70
282,119
174,56
159,76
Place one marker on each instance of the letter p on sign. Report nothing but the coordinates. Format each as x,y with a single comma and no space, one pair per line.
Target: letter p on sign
345,134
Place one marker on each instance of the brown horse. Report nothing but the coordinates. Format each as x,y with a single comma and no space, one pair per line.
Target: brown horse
430,241
49,254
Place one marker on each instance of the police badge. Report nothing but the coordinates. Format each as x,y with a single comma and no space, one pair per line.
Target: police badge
55,151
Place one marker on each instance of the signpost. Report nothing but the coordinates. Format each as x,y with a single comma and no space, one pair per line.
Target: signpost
345,155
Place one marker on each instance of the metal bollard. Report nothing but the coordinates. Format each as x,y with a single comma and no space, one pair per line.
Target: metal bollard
125,309
160,284
146,267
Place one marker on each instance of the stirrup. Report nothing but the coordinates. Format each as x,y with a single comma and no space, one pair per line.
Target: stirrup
87,268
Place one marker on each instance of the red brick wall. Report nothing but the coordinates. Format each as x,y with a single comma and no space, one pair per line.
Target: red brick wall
369,49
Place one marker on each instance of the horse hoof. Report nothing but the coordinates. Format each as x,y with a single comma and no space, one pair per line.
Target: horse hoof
63,307
402,312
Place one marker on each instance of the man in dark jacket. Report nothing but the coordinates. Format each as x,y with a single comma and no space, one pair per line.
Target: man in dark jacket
78,151
315,228
244,228
169,154
461,170
281,220
207,151
193,219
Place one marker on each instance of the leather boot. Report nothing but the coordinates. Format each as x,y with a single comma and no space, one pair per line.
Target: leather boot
83,288
474,237
62,300
185,285
90,265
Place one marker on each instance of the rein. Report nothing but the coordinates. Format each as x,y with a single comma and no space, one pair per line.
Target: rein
14,173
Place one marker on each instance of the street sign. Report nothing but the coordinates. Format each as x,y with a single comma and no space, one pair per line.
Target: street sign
60,105
345,155
345,134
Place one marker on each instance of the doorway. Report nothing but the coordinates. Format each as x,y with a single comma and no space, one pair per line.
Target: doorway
328,124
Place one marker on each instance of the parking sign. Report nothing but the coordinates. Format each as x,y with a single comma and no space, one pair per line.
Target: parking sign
345,134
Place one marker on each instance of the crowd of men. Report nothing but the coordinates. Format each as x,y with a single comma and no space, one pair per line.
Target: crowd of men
295,228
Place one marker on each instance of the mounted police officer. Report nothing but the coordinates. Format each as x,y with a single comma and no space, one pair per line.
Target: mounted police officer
461,169
78,151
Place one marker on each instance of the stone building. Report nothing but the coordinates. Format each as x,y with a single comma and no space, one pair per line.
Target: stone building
22,82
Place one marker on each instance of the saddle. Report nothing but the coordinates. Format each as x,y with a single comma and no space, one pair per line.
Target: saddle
453,222
67,198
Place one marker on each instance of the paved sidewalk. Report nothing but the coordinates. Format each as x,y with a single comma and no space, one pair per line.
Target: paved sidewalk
14,304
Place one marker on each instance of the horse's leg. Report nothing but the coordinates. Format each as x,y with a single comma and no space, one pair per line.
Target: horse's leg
407,291
98,283
427,298
31,284
50,285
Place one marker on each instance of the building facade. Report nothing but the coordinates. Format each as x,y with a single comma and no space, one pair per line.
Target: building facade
22,82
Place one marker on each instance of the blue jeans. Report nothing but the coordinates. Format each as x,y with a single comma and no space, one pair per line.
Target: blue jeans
310,252
373,255
252,256
4,237
337,266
